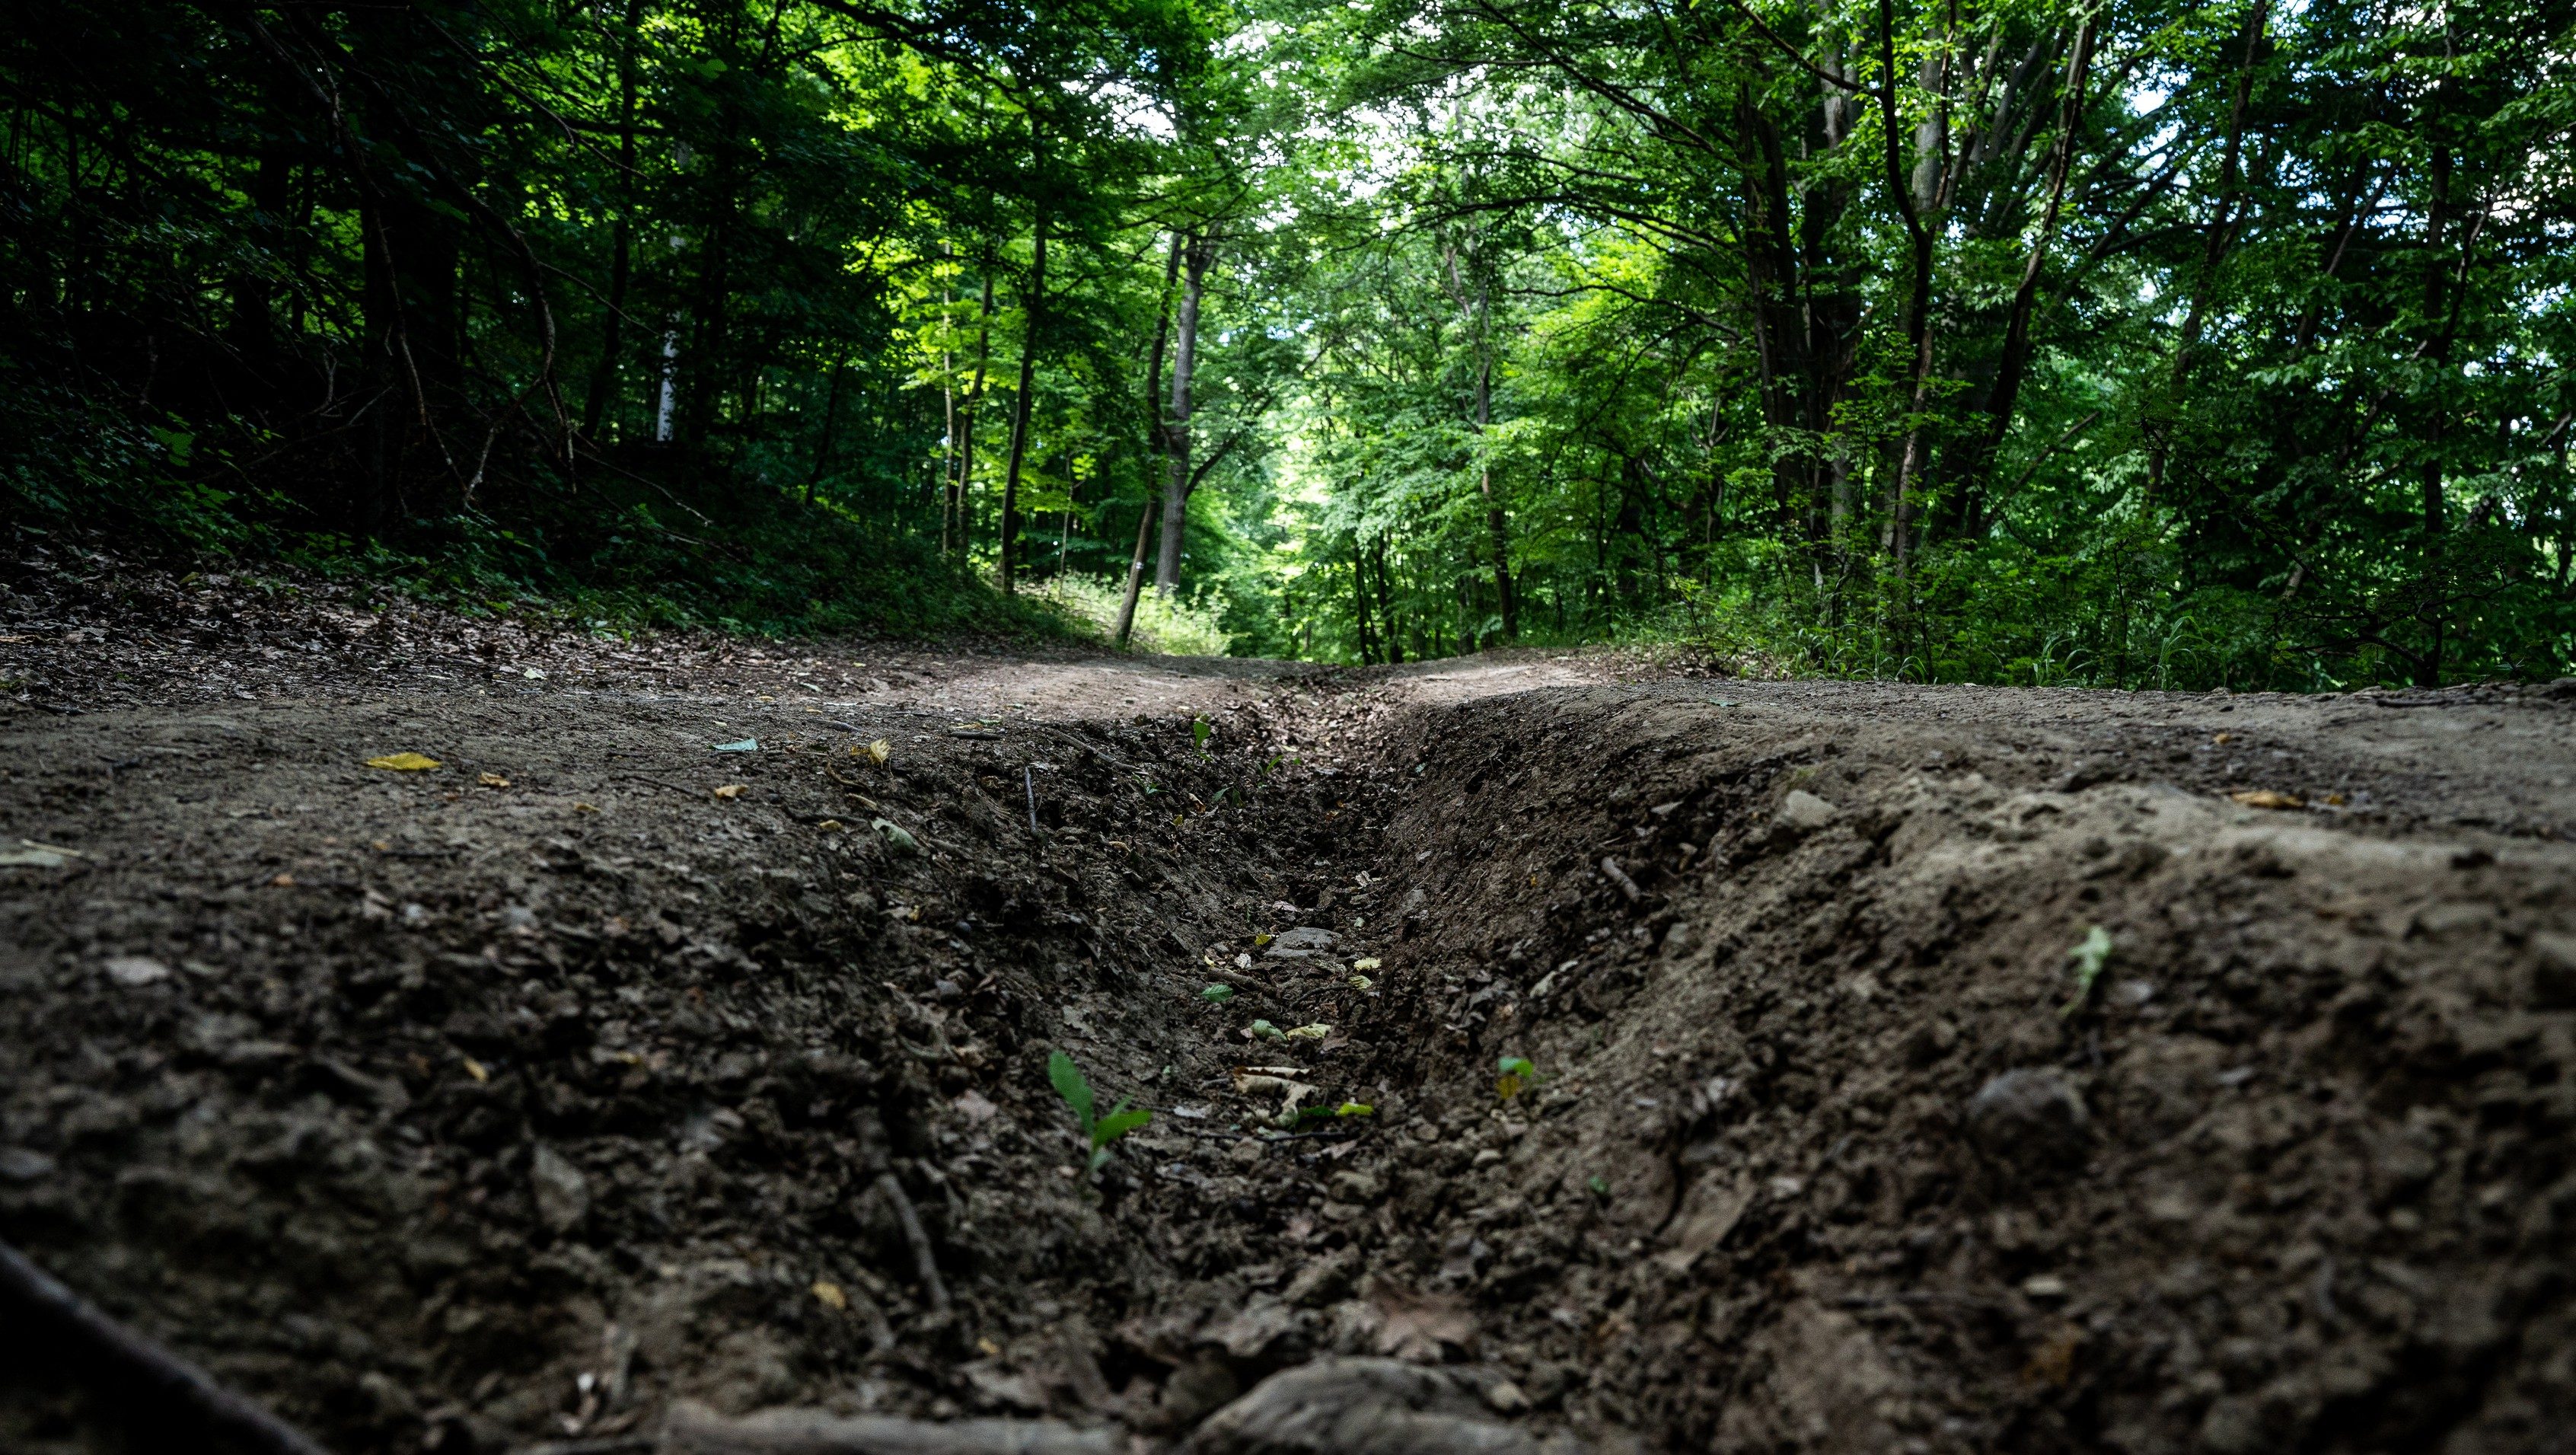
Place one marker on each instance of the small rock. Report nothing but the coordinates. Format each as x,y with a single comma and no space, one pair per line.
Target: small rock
1326,1280
1505,1398
1303,942
2029,1116
1803,812
136,970
1357,1186
563,1194
1929,1041
24,1164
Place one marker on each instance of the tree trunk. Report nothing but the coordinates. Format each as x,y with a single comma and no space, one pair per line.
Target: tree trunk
1391,638
1918,312
2213,248
964,501
1177,481
1035,311
1154,440
823,446
603,378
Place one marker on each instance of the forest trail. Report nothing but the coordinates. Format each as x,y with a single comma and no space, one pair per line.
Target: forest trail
1818,1066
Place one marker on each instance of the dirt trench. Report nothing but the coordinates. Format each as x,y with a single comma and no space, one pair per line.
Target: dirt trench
1735,1073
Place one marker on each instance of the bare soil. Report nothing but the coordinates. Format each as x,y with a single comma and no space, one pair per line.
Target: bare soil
594,1070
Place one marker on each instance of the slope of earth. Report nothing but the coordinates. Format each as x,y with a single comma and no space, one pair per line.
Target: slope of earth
597,1073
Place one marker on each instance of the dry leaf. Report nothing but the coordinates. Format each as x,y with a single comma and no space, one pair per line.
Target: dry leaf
1423,1327
1252,1081
829,1294
2222,740
475,1069
493,780
1370,963
2268,798
584,808
404,762
828,825
879,751
283,881
1315,1032
730,790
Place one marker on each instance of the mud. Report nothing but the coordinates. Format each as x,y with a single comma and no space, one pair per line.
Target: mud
452,1114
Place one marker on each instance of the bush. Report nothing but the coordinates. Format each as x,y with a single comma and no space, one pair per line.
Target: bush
1186,625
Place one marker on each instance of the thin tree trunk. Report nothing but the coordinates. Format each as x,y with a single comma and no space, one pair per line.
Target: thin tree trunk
603,379
1036,308
947,414
1154,441
1392,638
965,501
1359,598
1177,481
2214,247
823,446
1918,309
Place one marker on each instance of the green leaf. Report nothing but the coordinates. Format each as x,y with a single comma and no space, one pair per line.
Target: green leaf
1118,1124
2089,957
1069,1084
1217,994
1200,731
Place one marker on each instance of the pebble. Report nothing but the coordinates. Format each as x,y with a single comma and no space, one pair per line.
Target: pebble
1805,812
1505,1397
136,970
1356,1186
2030,1116
562,1193
24,1164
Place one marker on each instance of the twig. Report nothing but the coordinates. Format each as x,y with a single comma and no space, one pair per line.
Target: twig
1619,876
143,1361
924,1264
1029,781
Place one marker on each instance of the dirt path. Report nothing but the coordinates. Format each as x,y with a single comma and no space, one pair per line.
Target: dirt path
596,1070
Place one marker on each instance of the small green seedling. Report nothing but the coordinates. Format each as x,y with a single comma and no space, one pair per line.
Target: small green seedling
2089,958
1200,731
1599,1185
1513,1075
1101,1131
1217,994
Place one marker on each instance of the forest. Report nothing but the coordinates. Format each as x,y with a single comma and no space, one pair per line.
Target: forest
2150,343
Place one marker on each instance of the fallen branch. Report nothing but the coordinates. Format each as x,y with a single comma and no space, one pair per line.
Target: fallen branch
38,1299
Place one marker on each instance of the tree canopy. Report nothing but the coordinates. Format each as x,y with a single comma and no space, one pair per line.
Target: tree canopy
2152,343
